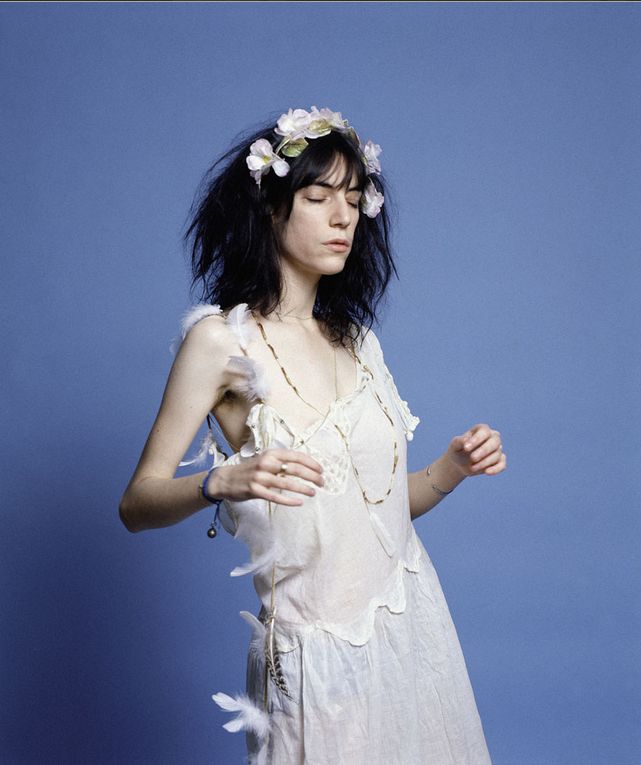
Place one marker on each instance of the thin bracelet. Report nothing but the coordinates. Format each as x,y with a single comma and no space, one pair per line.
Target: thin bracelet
436,489
212,531
203,487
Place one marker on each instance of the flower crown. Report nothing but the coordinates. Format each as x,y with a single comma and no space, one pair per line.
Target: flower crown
296,127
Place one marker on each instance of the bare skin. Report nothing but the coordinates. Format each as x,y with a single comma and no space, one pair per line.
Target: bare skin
199,383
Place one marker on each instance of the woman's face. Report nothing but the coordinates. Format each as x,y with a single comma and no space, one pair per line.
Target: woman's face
317,237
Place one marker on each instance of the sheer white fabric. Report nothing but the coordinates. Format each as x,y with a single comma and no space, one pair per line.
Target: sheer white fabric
369,653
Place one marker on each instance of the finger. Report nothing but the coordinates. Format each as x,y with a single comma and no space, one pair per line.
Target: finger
470,439
493,444
292,455
282,499
479,435
285,483
498,468
304,473
458,442
260,492
490,461
288,463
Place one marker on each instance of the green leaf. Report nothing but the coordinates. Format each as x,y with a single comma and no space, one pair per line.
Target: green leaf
294,148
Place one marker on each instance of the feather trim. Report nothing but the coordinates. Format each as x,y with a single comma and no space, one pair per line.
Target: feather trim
238,322
192,316
254,566
257,644
195,314
272,654
255,530
253,382
250,717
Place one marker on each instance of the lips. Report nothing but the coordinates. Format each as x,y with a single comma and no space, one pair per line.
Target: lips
337,245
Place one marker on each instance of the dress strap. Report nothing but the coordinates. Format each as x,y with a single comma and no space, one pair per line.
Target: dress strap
194,314
407,419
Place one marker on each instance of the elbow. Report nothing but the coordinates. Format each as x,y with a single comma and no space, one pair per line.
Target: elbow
126,515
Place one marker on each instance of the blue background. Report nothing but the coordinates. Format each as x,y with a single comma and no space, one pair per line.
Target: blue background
510,135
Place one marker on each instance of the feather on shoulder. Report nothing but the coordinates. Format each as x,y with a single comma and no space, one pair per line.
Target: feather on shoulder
238,320
252,382
195,314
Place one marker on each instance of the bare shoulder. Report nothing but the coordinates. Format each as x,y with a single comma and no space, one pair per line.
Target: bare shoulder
209,337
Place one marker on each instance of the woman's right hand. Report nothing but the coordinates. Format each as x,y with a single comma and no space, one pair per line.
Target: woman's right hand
265,475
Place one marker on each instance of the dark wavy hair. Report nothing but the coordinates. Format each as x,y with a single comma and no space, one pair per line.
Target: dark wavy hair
234,247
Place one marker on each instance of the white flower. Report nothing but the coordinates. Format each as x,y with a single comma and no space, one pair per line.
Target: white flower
371,201
293,124
295,127
371,152
323,121
261,157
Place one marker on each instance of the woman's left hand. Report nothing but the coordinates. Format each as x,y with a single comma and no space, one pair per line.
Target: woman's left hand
479,450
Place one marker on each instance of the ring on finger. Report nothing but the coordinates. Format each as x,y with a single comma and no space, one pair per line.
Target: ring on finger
283,469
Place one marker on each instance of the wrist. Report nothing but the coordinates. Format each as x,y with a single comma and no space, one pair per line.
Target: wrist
209,486
445,475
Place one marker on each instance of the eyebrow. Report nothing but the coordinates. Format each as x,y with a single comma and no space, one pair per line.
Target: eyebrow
326,185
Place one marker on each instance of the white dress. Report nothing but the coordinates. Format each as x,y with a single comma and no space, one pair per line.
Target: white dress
371,666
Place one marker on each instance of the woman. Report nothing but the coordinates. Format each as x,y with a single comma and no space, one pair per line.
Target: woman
354,657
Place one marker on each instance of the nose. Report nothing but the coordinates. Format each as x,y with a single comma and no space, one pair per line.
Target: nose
341,213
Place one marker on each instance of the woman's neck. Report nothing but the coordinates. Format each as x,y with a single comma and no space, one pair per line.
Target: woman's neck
298,296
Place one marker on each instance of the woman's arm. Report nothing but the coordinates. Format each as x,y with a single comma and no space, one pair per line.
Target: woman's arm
196,384
478,451
154,498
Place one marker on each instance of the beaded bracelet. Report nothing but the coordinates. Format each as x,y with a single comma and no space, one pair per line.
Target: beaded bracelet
212,531
436,489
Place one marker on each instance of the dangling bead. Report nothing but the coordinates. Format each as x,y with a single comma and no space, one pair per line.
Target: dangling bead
211,531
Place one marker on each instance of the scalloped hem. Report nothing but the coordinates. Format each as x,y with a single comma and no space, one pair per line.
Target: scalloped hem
359,631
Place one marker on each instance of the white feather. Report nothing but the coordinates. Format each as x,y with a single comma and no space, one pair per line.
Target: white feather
250,717
195,314
256,565
252,381
238,321
208,447
255,530
192,316
257,644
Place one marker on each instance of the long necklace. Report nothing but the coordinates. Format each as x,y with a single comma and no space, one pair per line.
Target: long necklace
384,409
288,379
271,651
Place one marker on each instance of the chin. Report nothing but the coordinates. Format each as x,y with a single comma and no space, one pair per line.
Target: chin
333,266
332,271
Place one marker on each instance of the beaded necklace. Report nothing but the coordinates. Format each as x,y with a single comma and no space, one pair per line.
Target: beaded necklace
271,652
342,435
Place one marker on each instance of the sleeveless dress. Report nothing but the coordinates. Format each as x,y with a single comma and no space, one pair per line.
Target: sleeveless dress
354,658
